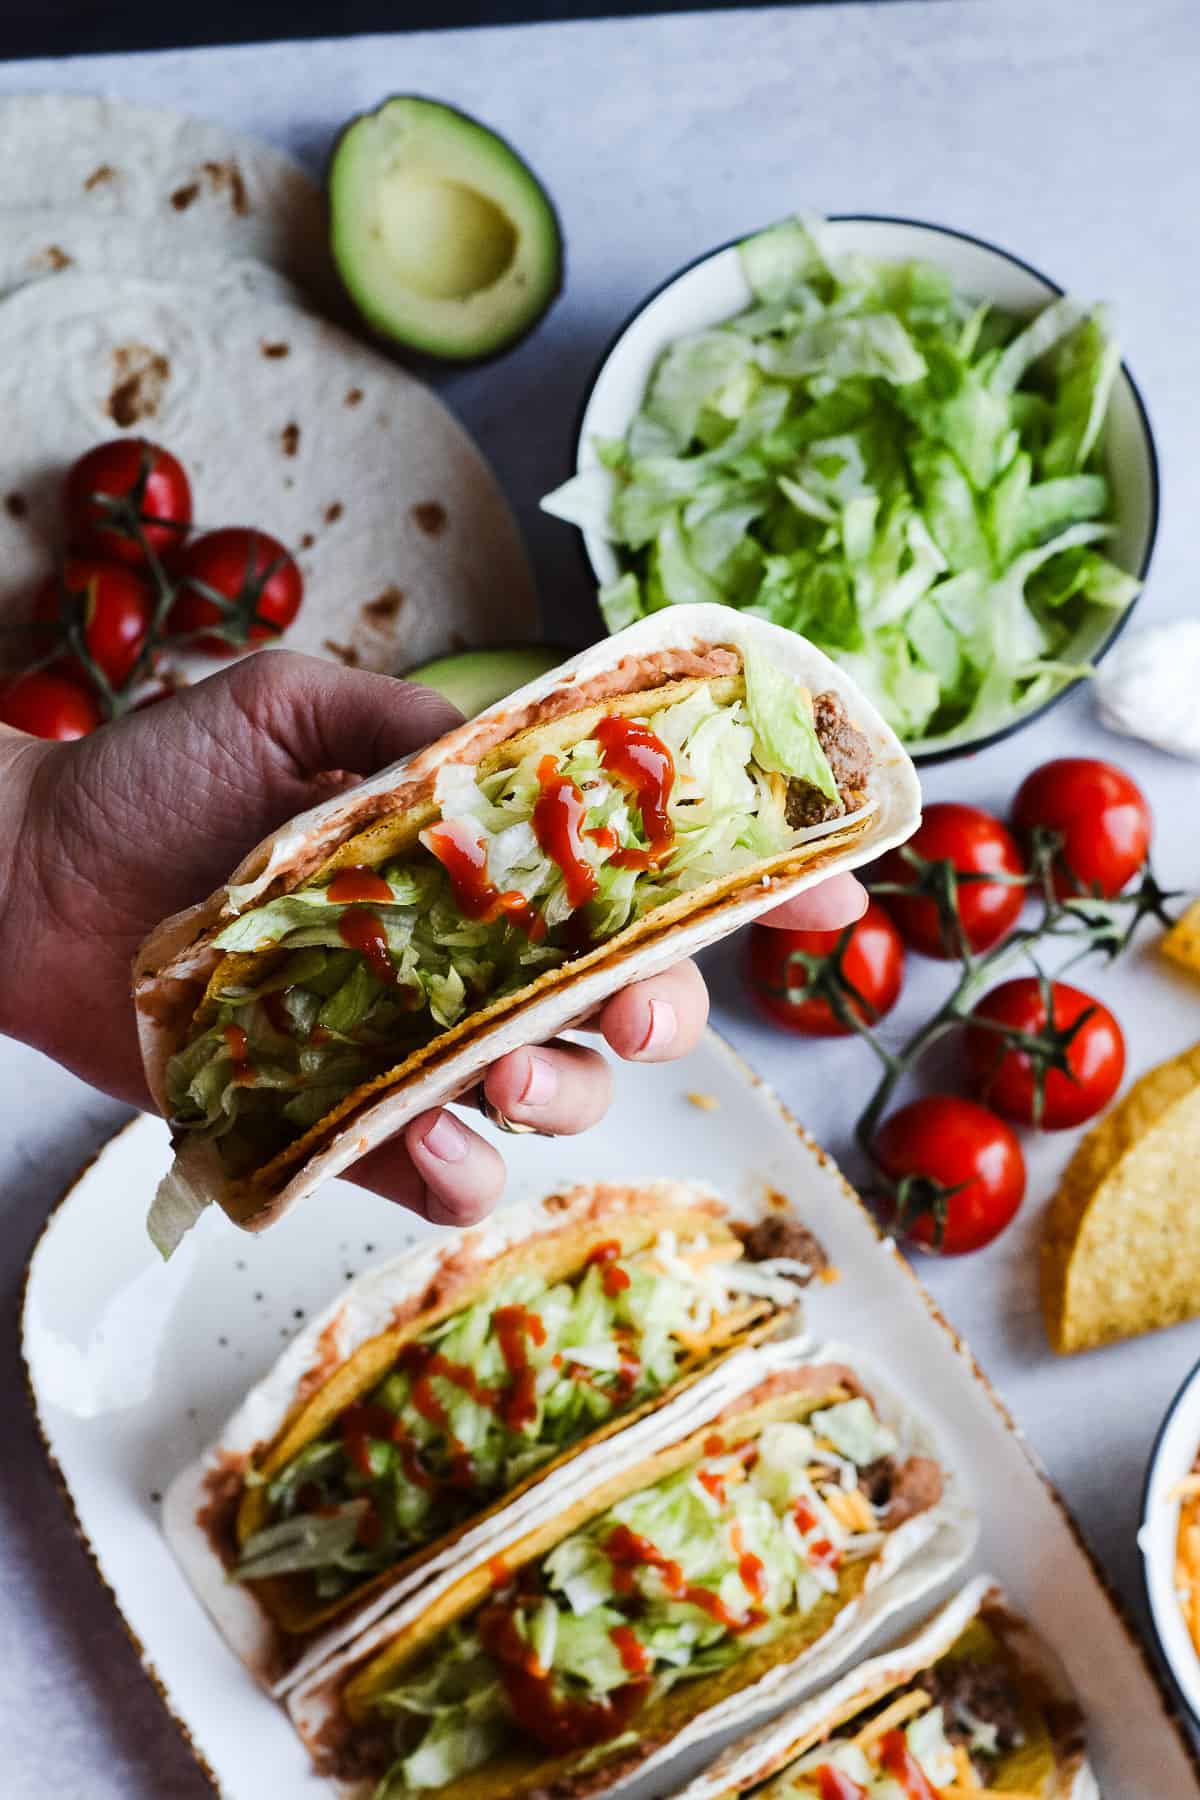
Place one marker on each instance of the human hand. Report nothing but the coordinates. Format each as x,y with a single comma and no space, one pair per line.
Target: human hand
115,832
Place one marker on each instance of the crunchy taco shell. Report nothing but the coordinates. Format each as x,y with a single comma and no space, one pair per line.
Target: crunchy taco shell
1121,1242
217,1504
332,1709
645,667
977,1626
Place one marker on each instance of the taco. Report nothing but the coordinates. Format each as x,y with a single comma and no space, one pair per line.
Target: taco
972,1703
446,1384
371,958
681,1592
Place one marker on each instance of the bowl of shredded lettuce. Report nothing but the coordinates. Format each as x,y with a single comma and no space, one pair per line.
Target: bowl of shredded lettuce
894,438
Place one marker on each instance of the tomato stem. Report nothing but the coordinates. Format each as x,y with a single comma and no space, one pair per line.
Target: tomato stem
1087,923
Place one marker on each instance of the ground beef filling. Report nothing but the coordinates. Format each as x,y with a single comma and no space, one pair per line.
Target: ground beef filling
901,1490
975,1696
778,1235
849,756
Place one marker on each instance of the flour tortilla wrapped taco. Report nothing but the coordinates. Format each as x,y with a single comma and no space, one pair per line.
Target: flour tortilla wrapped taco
972,1703
454,1380
371,958
686,1590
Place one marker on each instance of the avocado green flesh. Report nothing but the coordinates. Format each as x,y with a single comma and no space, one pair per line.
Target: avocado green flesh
445,240
474,679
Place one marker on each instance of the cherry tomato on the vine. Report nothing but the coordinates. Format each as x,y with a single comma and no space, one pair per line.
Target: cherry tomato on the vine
1103,817
146,476
872,964
1004,1076
49,704
243,566
976,843
958,1145
112,605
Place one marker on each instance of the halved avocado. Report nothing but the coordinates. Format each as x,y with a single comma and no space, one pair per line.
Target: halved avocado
445,240
473,679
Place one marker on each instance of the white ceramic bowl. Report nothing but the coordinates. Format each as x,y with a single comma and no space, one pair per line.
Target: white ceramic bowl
714,288
1172,1457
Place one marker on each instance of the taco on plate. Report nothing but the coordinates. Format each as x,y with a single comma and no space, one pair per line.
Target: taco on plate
971,1704
446,1384
686,1589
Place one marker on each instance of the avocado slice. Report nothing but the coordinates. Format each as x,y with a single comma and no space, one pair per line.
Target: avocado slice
444,239
473,679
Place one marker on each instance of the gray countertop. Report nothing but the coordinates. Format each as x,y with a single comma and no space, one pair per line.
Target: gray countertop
1069,134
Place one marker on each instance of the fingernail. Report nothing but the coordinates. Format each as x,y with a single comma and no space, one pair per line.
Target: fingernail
446,1140
541,1083
662,1028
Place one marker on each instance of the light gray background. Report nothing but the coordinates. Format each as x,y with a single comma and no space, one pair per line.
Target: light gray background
1067,133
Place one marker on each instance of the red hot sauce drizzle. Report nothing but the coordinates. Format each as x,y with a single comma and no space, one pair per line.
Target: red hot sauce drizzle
641,762
628,1551
635,1658
898,1761
358,883
516,1327
604,1257
362,930
465,861
751,1568
238,1045
558,816
552,1719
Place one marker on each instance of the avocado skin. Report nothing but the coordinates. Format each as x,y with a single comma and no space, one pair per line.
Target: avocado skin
419,355
475,679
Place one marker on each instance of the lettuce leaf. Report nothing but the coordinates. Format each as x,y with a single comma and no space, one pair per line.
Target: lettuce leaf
699,1521
866,456
785,738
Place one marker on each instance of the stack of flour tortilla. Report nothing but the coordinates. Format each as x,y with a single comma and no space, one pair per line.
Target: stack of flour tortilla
163,276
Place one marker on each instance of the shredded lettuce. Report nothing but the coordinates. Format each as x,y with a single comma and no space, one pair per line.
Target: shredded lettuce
688,1596
285,1045
928,1745
867,457
608,1340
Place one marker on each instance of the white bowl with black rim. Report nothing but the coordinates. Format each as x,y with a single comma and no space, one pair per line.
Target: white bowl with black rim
1173,1457
714,288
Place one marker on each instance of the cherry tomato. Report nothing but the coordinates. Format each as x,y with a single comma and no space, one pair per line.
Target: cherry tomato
49,704
959,1145
1003,1076
113,605
1102,815
128,467
241,565
872,963
976,843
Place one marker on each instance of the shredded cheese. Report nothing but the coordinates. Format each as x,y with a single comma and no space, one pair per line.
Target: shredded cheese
967,1778
851,1509
1187,1553
898,1713
956,1791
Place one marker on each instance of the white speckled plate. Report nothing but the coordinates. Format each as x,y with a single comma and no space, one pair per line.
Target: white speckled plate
133,1367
